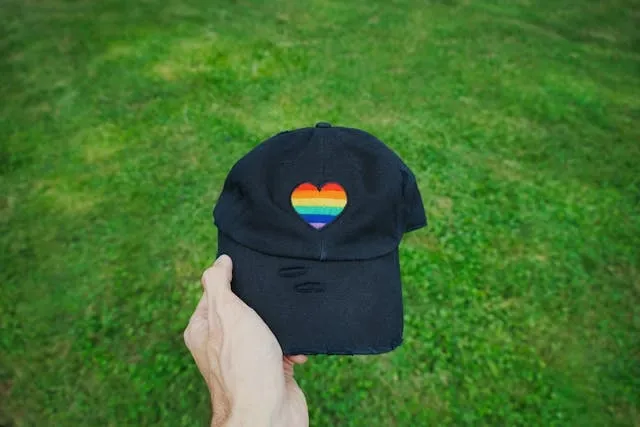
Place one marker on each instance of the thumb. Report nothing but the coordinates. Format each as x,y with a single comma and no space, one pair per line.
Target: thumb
216,281
218,276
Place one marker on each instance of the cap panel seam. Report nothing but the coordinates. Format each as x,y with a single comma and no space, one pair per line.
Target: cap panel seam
323,246
300,153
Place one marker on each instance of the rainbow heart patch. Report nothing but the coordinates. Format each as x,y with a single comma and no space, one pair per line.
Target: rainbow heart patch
319,207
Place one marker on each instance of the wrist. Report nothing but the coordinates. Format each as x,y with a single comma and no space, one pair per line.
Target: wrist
256,415
245,420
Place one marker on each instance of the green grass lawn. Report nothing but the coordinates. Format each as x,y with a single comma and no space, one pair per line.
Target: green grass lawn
119,121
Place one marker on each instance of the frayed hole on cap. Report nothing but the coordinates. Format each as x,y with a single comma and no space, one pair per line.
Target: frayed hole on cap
293,271
309,287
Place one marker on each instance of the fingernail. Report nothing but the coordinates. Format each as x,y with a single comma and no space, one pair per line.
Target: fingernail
221,259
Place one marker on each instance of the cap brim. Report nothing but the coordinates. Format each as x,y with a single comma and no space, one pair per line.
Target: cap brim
321,307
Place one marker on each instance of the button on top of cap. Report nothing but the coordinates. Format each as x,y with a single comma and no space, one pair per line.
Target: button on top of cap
323,125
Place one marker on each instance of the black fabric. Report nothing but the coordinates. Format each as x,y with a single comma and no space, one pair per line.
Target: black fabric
255,206
413,208
259,228
321,307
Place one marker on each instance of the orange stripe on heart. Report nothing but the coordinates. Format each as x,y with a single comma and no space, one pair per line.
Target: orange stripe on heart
319,207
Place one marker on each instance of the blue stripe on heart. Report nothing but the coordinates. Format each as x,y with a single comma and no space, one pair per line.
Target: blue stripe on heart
317,218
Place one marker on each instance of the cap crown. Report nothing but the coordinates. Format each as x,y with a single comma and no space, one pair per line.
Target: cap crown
323,193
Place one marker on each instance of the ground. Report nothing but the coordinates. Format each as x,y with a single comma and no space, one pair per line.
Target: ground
120,119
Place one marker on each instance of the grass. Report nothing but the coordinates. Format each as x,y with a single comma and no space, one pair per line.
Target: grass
119,121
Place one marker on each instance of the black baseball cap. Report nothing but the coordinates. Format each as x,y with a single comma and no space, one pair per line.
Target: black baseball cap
312,219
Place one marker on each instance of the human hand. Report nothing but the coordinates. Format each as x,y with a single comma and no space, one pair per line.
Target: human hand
250,382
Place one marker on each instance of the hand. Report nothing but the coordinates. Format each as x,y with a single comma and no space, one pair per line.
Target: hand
250,382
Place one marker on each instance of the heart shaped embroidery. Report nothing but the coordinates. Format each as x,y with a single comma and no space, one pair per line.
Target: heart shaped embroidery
319,207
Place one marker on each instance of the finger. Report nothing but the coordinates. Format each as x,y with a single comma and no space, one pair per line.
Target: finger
287,367
298,358
196,332
197,323
201,309
218,273
216,280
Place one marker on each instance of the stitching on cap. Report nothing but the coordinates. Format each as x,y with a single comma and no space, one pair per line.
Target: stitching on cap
322,165
322,243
